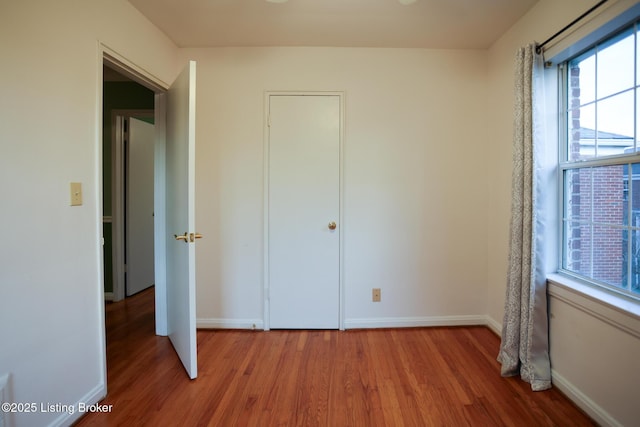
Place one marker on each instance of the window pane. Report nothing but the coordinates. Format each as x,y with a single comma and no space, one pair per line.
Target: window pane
633,198
582,125
615,66
616,124
601,199
609,264
628,187
637,57
582,80
577,248
578,198
609,204
637,134
635,261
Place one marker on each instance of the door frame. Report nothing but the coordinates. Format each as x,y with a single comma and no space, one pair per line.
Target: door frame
341,228
107,56
118,214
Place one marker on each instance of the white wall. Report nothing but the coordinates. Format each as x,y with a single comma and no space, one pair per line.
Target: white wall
51,329
427,176
415,180
593,361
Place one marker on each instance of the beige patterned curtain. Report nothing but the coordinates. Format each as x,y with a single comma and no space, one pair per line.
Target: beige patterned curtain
525,342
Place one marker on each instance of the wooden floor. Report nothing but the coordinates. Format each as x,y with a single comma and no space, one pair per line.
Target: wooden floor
380,377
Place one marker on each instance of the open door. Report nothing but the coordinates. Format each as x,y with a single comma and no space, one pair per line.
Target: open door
180,218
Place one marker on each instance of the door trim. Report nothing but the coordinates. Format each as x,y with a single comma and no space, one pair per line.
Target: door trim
266,286
106,55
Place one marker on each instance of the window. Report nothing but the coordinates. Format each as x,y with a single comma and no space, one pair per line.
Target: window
601,163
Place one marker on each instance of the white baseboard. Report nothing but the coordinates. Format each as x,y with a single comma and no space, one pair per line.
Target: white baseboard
108,296
389,322
494,325
92,397
230,324
583,401
415,322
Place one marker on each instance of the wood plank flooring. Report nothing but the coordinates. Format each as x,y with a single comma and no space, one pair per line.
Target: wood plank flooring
388,377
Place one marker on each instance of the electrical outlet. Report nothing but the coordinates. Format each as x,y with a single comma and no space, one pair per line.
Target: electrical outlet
375,295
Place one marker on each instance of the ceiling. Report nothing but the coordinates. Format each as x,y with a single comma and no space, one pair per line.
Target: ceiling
437,24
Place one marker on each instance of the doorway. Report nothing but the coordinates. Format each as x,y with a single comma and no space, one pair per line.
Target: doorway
128,157
303,204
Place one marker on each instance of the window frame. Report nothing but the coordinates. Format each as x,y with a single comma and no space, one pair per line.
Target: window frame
565,165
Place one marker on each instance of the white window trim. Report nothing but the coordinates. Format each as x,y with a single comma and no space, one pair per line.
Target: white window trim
610,20
618,310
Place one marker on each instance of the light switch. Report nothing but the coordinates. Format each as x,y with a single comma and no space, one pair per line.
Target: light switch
76,194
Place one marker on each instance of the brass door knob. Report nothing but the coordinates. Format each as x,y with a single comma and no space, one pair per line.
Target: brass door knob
332,225
184,237
194,236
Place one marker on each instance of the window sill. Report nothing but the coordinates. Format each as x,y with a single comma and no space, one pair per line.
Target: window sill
608,307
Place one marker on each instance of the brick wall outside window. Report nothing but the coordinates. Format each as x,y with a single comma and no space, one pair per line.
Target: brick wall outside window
596,202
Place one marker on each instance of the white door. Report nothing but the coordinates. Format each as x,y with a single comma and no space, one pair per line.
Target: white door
180,218
139,223
304,211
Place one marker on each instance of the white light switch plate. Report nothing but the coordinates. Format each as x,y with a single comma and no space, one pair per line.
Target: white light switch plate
76,194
